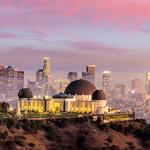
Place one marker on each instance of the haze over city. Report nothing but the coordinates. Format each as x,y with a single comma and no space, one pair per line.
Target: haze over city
113,35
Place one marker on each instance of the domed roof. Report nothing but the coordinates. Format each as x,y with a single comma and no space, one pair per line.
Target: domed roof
80,87
25,93
98,95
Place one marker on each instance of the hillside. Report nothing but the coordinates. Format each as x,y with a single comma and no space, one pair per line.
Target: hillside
75,134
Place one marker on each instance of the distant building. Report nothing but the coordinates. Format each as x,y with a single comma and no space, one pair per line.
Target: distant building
136,85
121,88
147,86
72,76
63,84
91,71
43,80
39,76
20,80
89,75
11,81
46,66
36,89
106,82
116,94
85,76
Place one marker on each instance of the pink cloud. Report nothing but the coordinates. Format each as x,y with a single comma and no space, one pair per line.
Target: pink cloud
93,12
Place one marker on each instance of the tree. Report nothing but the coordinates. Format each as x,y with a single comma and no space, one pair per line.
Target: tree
4,107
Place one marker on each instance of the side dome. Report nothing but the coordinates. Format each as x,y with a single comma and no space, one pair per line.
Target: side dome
25,93
80,87
98,95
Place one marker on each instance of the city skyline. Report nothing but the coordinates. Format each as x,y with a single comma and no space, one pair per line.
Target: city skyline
87,32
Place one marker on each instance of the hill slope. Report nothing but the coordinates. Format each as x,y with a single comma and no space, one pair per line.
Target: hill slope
75,134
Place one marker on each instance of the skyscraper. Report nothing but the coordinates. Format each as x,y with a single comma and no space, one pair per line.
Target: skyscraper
43,79
147,86
136,85
72,76
46,67
11,81
39,76
20,80
91,70
89,74
106,82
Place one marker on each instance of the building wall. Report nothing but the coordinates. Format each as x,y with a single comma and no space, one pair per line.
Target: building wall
32,105
61,105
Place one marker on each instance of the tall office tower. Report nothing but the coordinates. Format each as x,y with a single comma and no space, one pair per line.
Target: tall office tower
11,80
91,70
122,89
72,76
20,80
11,86
3,79
46,67
47,75
85,76
39,76
136,85
106,83
147,86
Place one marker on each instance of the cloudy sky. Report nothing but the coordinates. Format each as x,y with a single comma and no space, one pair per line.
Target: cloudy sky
113,34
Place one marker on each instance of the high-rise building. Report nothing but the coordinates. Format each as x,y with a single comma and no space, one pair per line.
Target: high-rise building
136,85
85,75
106,82
20,80
39,76
46,67
121,88
44,79
72,76
11,81
147,86
91,71
89,74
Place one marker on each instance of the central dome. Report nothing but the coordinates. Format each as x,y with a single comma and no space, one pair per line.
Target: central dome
80,87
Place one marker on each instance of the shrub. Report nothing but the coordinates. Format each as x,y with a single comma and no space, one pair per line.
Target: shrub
10,145
110,139
114,147
131,146
19,141
104,127
10,122
3,135
31,144
31,126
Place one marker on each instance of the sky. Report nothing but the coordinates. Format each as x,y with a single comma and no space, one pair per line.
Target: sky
113,34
